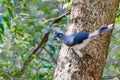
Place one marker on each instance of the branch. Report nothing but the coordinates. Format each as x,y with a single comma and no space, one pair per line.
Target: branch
38,52
41,44
110,77
49,54
58,19
34,51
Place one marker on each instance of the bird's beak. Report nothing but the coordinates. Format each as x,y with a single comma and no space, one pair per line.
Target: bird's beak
56,30
56,34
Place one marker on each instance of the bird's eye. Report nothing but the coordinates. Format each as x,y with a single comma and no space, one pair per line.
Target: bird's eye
60,35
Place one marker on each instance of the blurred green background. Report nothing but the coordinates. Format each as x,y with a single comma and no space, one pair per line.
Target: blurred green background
23,25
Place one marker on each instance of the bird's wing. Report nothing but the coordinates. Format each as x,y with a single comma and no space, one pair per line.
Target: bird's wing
68,40
79,37
75,38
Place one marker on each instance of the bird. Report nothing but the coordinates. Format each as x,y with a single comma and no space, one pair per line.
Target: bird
79,40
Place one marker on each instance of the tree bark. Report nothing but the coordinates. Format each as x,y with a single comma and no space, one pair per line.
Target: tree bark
87,16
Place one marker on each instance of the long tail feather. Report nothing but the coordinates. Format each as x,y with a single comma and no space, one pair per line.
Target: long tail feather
104,29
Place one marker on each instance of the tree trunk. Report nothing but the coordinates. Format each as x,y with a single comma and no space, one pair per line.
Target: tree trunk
88,16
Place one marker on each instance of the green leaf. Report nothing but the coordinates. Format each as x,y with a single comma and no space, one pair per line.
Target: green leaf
52,48
1,28
71,1
24,7
10,11
33,0
7,22
1,38
41,76
52,55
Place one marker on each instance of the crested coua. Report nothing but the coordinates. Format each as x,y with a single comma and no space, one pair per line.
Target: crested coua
79,40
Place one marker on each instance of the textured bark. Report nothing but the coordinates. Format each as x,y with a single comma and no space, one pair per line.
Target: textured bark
88,16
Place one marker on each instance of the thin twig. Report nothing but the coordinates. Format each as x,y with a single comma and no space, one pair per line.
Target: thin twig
58,19
44,40
38,52
110,77
49,54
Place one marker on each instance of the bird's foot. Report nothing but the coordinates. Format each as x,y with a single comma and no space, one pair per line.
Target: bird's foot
78,52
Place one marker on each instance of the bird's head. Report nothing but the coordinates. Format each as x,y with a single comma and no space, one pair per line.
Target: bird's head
59,35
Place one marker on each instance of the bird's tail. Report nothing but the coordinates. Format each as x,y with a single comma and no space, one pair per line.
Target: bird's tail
104,29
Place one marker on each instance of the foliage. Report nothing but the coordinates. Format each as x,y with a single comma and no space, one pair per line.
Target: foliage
118,15
23,26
